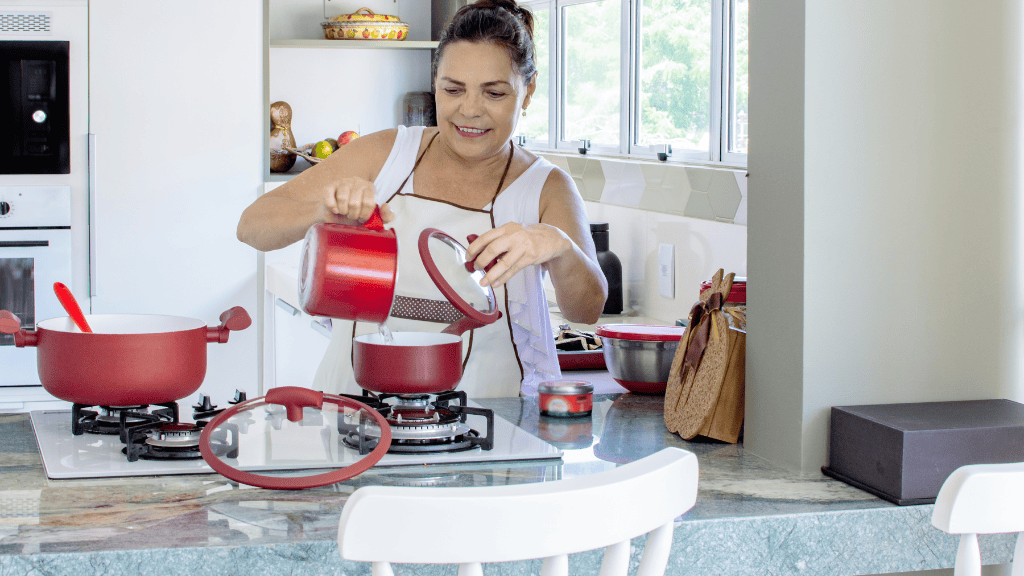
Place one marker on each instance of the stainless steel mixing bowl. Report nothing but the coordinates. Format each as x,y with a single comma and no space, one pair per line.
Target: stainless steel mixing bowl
637,365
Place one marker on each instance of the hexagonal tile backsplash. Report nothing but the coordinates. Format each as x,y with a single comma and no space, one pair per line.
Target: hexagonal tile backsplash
697,192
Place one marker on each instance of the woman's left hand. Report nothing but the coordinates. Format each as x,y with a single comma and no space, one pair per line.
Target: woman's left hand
516,246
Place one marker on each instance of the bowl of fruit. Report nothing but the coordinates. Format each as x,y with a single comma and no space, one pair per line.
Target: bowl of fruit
318,151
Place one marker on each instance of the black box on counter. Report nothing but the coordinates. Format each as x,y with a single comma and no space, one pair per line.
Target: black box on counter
904,452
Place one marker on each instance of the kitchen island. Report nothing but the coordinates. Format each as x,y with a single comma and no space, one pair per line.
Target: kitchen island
750,518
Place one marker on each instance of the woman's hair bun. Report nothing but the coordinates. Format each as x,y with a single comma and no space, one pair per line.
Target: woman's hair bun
524,15
502,22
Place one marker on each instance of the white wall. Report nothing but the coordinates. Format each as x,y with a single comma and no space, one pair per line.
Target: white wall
775,233
701,248
910,212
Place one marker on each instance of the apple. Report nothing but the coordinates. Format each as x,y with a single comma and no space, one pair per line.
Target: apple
346,137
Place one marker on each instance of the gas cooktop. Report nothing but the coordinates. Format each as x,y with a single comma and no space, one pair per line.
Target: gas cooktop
68,456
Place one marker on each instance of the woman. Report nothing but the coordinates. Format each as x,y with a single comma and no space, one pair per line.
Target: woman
465,177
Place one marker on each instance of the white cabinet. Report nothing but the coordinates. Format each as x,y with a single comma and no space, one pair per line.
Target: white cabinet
299,343
175,117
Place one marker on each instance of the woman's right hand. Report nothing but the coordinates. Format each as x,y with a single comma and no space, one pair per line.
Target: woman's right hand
352,199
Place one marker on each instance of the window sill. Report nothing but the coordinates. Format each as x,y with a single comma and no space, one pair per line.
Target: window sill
638,159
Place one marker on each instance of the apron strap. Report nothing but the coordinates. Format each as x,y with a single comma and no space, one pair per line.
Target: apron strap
414,166
508,164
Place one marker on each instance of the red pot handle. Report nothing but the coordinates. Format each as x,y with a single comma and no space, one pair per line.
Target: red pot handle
375,222
10,324
234,319
294,399
465,324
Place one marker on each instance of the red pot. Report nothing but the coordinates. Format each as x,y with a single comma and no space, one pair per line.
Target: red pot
417,363
349,272
128,359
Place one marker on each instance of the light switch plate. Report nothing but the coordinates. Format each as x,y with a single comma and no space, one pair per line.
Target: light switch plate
667,270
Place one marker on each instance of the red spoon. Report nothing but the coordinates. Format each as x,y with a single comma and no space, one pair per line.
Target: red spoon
67,300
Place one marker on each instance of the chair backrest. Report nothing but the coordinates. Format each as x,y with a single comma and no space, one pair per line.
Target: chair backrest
982,499
550,520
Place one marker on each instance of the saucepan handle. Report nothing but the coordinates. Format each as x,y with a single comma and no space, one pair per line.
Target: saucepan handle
464,324
375,221
294,399
234,319
10,324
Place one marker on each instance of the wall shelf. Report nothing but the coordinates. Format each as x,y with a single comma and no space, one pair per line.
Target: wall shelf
355,44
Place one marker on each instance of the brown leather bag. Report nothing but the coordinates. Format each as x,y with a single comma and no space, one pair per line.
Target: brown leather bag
705,390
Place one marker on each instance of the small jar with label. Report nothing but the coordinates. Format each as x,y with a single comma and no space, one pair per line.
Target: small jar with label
566,398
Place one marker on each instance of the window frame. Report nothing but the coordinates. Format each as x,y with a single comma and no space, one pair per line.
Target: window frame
630,62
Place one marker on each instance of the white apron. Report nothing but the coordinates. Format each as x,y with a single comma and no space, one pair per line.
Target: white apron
491,366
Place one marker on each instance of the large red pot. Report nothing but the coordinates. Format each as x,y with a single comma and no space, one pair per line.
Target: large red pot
128,359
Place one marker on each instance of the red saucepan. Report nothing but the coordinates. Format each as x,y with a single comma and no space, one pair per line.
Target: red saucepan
349,271
429,362
128,359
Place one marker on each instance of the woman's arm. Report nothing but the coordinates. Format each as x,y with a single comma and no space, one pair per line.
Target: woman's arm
561,243
338,189
580,287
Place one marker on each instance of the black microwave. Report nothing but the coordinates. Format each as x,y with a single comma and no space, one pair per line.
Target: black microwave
34,107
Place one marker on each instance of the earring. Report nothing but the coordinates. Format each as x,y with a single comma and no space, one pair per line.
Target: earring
524,112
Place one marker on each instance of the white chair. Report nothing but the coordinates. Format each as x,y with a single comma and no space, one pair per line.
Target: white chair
467,526
982,499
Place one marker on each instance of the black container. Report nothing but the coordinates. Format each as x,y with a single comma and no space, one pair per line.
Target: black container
418,109
611,267
34,107
904,452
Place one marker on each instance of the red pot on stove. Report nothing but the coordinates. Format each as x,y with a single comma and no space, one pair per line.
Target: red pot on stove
128,359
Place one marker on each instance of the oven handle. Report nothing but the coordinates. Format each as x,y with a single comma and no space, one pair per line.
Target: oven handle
92,215
24,243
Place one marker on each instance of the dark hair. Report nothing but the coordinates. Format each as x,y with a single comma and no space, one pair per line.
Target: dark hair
502,22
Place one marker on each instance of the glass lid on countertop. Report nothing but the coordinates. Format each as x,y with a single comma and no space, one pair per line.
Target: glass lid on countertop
444,258
286,439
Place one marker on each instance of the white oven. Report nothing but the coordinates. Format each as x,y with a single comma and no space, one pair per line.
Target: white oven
35,252
44,218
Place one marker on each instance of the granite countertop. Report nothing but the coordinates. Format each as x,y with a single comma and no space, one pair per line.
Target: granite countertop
750,518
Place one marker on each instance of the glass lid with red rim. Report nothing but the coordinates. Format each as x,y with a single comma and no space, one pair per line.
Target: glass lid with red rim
295,438
444,258
644,332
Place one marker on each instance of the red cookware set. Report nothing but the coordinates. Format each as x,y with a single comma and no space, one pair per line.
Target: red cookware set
350,272
347,272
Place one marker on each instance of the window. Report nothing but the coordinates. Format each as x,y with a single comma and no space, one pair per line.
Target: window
632,76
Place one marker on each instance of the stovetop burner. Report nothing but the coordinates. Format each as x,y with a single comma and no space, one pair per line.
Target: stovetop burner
70,456
163,441
112,420
149,432
425,423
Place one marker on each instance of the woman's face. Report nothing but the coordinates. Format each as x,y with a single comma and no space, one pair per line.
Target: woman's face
479,98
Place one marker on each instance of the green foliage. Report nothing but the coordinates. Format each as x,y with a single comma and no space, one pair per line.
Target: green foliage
674,92
675,72
535,124
593,71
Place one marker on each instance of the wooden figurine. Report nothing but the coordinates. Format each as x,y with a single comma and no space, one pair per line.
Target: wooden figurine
281,137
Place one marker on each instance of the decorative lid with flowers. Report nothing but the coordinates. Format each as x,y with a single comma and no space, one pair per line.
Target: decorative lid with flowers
364,24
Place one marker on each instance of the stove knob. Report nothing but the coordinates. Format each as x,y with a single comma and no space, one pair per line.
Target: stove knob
5,208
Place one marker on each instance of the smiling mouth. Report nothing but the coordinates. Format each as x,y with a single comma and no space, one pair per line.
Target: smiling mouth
471,132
